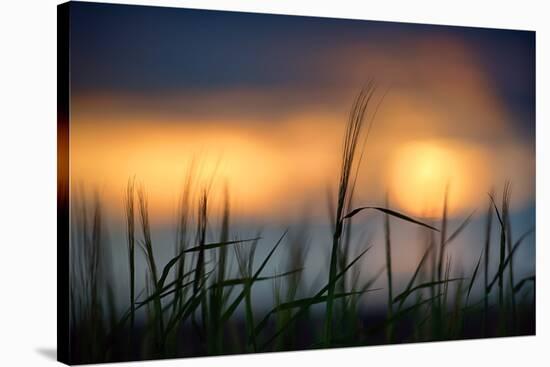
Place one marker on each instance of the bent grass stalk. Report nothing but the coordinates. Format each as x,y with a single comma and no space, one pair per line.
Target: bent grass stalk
488,229
351,138
389,332
197,289
129,201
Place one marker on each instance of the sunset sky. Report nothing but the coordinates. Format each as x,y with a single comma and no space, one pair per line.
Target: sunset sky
262,100
258,104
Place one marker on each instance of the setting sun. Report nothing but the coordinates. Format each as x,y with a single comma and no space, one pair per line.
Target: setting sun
212,167
421,171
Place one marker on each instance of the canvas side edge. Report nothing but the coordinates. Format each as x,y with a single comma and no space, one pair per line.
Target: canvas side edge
63,108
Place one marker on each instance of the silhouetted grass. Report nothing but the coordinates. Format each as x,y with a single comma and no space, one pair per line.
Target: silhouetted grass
202,300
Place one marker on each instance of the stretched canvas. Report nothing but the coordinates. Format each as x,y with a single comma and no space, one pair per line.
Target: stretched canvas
241,183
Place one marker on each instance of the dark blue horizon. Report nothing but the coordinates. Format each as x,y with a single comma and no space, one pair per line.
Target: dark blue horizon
151,50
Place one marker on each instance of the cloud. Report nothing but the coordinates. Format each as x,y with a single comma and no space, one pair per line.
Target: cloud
278,147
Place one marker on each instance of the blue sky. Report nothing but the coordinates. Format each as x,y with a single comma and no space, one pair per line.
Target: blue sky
137,50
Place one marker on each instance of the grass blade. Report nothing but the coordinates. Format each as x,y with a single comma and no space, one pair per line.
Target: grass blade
460,228
415,274
227,314
241,281
406,293
210,246
306,306
392,213
522,282
473,278
507,261
314,300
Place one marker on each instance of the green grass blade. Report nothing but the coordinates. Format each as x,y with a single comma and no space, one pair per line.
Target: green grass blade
405,294
231,309
392,213
507,261
460,228
306,306
315,300
210,246
522,282
398,315
473,278
415,274
241,281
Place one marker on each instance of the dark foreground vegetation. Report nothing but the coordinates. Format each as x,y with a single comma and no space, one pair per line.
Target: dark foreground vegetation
201,301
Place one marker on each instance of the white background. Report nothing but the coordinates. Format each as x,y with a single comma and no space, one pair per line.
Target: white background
28,182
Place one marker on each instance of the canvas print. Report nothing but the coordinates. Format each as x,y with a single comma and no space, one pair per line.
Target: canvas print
236,183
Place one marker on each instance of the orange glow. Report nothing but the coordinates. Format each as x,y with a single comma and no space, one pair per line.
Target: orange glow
421,171
278,149
272,171
266,172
